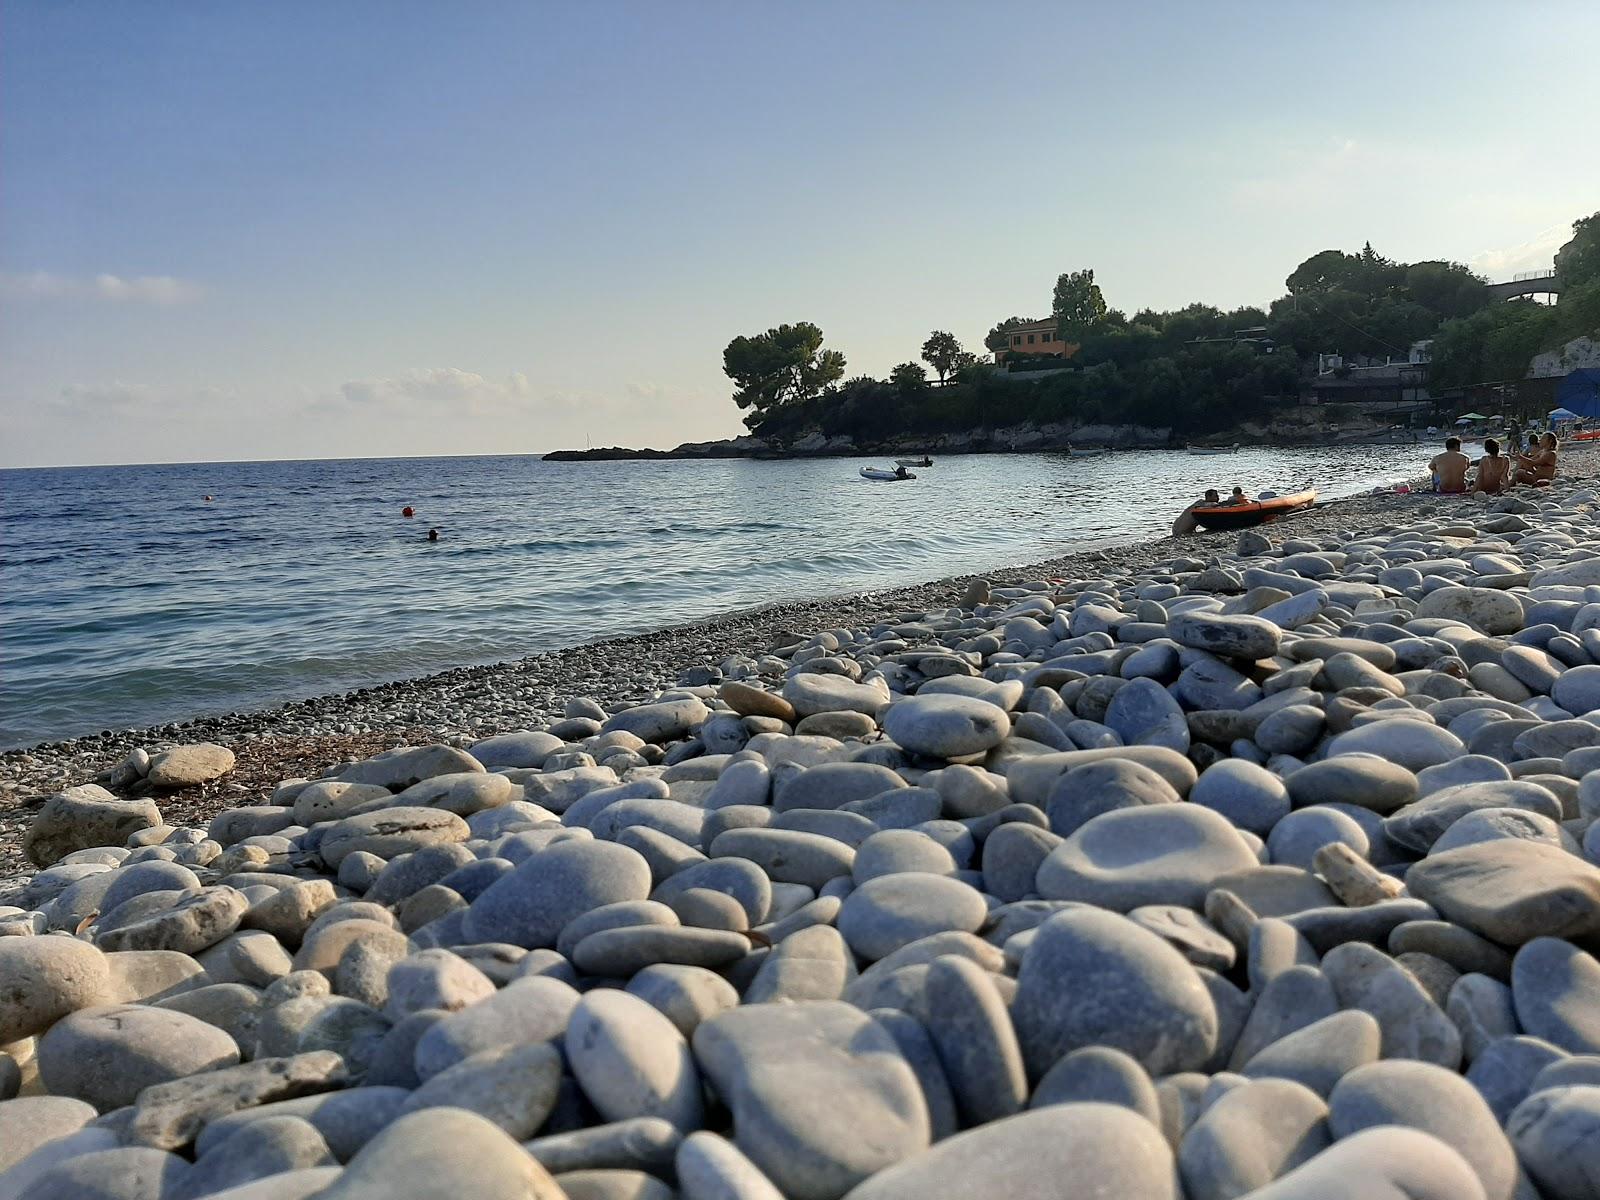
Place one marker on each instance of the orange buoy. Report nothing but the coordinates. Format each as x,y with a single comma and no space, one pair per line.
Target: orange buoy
408,511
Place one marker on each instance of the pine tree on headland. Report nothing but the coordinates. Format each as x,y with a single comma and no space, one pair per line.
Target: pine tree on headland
780,367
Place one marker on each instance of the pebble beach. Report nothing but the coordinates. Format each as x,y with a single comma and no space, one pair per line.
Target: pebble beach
1260,864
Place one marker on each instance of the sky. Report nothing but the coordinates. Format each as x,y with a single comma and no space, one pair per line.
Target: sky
300,229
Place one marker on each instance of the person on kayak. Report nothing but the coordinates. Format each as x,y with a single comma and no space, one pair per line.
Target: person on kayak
1185,522
1238,497
1450,469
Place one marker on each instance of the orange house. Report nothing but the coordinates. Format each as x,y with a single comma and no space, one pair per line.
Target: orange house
1036,337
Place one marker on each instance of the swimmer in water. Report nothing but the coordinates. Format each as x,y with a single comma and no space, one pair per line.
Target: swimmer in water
433,535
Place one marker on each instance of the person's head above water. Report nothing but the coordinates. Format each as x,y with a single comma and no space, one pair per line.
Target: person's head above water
433,535
1452,443
1213,495
1491,447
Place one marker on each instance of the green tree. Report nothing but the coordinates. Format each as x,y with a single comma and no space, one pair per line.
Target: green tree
1494,344
1447,288
1191,323
1578,262
1077,306
999,337
780,367
1324,271
943,353
909,377
1247,317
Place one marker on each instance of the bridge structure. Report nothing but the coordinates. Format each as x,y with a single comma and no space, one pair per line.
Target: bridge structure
1529,283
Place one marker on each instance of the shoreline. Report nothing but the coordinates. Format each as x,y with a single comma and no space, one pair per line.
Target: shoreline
1362,748
306,736
1024,439
846,603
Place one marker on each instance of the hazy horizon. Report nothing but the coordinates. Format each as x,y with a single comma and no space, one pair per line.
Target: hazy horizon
241,233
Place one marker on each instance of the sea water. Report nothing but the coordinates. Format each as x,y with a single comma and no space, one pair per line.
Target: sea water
127,598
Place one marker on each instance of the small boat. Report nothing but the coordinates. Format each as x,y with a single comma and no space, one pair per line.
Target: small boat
884,474
924,461
1233,449
1096,453
1587,435
1254,512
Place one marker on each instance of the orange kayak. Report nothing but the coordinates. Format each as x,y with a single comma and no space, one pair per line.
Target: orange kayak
1256,512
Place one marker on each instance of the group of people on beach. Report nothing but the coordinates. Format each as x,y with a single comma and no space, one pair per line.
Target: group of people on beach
1496,472
1493,474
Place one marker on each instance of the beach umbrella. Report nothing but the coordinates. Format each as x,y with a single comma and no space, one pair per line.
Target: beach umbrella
1467,417
1562,414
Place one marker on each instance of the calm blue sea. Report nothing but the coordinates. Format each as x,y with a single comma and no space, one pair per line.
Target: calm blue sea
127,599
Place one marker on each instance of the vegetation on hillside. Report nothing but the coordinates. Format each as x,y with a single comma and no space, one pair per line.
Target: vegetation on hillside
1495,343
1193,369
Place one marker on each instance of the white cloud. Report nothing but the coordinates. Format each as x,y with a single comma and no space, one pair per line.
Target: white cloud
450,392
1535,254
105,398
160,290
437,392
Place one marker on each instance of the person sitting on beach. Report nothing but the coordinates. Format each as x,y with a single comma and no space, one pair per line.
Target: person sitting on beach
1186,522
1494,470
1538,467
1450,469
